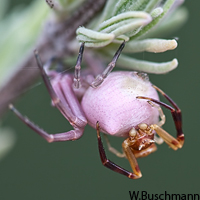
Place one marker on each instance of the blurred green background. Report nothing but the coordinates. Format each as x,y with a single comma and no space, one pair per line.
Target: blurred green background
35,169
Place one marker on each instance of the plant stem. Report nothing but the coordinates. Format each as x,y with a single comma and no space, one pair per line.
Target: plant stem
48,47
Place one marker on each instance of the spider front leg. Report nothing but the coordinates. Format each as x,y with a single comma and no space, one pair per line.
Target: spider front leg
176,114
64,99
100,78
77,72
107,163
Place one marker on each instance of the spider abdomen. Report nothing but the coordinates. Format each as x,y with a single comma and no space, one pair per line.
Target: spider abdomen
115,106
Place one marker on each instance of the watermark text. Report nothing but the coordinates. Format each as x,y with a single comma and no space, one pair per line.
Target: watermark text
144,195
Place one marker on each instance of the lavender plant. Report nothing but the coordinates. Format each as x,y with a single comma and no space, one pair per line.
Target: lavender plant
133,21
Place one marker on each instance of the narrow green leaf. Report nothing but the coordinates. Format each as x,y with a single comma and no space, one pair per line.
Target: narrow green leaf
166,7
146,66
150,45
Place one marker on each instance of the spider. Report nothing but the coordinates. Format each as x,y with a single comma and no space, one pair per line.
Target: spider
122,103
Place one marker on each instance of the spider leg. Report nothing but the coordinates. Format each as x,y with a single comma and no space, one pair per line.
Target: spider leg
176,113
112,149
64,99
107,163
159,140
145,152
58,137
100,78
77,71
62,86
62,107
170,140
162,116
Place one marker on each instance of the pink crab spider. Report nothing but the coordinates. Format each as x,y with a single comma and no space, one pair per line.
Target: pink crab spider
122,103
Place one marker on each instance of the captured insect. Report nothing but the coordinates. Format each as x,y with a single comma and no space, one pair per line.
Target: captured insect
122,103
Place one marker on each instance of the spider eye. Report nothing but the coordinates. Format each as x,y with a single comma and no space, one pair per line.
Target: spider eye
143,76
142,126
132,132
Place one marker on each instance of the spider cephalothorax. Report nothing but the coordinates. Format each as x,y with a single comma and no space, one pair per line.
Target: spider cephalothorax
140,138
123,104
